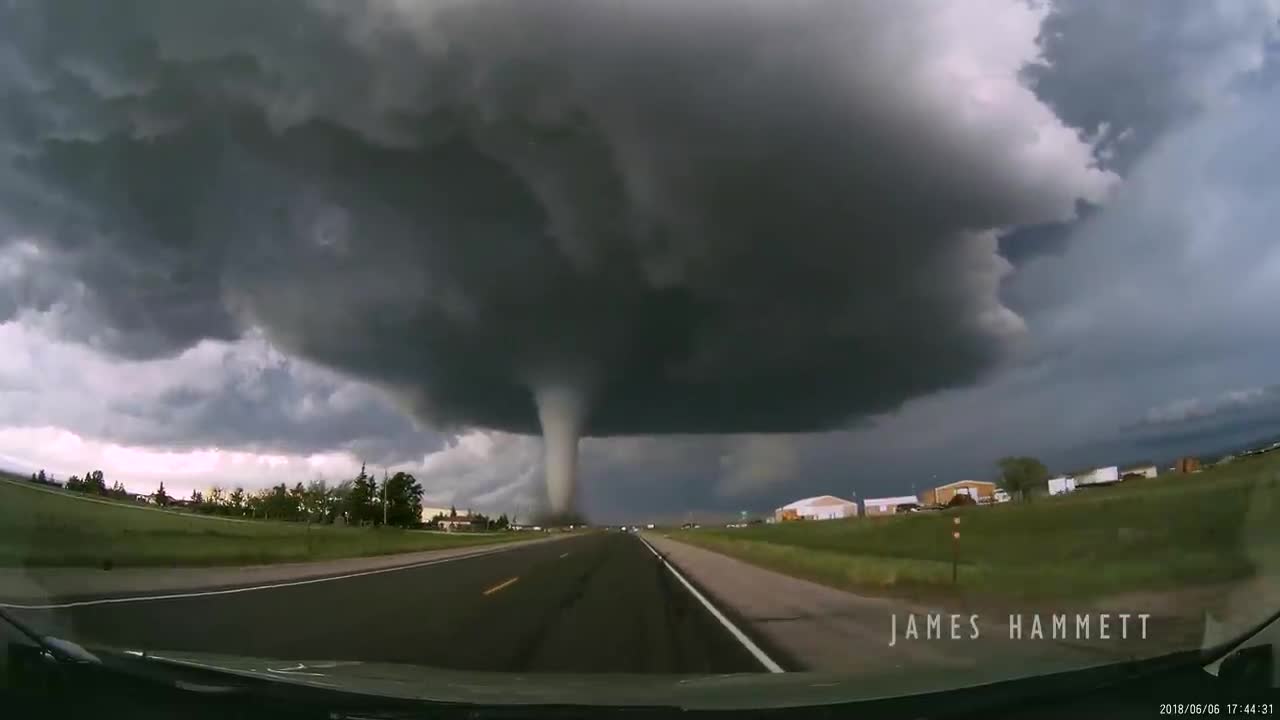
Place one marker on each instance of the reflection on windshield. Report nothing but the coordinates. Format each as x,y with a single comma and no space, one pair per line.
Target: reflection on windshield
867,340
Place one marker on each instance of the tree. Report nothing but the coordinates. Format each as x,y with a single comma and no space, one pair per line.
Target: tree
404,500
235,501
75,484
453,511
338,499
41,477
279,504
161,498
298,498
362,499
95,483
1019,475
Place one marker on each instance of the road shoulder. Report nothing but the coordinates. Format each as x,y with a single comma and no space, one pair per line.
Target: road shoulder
828,630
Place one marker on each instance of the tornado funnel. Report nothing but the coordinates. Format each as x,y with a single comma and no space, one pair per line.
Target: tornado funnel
561,409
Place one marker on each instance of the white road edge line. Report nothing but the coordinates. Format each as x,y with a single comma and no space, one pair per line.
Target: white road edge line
253,588
740,636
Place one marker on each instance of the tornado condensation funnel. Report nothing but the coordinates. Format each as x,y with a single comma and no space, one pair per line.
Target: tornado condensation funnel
560,411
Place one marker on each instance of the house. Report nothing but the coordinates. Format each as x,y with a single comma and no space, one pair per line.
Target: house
1146,471
1187,465
458,522
889,505
822,507
980,490
430,512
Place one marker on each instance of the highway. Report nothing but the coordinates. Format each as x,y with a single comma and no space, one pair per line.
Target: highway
596,603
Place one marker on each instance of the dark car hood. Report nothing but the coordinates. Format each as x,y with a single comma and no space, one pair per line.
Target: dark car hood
700,692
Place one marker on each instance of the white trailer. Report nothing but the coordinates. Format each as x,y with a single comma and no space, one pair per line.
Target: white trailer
1099,476
1060,485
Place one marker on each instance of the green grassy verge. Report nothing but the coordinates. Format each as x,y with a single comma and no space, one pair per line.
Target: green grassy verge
50,527
1171,532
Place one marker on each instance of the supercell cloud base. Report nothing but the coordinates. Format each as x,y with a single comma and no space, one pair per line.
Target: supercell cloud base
572,218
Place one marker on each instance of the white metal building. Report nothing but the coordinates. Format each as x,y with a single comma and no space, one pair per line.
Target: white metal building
822,507
888,505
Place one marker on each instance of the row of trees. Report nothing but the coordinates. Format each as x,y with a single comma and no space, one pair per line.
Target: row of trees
93,483
396,501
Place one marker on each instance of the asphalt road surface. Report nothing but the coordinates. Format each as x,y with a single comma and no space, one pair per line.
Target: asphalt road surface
601,602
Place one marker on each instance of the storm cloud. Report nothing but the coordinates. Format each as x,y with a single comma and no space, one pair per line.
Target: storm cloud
770,217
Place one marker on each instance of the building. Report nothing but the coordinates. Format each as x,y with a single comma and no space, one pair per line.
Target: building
1187,465
1098,476
822,507
459,522
1146,471
980,490
430,512
889,505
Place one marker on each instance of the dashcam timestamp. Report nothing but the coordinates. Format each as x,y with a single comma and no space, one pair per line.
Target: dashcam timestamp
1226,709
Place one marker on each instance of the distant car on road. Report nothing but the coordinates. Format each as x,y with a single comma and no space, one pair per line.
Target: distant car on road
1001,496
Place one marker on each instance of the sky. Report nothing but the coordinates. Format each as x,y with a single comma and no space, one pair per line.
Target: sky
769,250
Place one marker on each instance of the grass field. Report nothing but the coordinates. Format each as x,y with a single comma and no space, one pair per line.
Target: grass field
50,527
1170,532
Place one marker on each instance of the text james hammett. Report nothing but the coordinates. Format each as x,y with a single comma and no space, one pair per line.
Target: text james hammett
1058,626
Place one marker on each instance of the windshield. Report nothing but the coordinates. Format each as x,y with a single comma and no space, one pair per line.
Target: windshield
911,345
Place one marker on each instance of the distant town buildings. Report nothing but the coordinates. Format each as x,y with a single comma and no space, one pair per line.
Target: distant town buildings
1144,470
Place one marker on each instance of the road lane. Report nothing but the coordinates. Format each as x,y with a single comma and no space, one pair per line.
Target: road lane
596,603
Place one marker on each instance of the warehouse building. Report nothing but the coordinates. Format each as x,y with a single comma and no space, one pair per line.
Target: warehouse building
980,490
889,505
822,507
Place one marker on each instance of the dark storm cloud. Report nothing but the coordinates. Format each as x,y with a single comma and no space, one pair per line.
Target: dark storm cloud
1129,71
760,218
241,396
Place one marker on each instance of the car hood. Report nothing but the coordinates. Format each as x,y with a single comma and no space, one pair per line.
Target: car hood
695,692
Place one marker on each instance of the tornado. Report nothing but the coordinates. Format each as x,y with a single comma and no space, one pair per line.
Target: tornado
561,412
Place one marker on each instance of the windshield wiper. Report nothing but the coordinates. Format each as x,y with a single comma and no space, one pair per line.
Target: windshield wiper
56,648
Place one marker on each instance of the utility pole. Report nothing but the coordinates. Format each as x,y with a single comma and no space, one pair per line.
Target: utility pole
384,497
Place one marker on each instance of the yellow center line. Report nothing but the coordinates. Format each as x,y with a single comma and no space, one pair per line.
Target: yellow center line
501,585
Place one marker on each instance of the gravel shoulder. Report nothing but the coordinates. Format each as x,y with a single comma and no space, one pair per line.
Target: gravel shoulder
828,630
